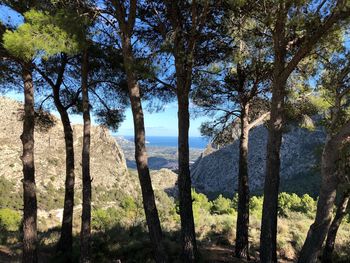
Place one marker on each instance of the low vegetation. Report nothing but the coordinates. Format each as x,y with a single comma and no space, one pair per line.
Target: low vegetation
120,231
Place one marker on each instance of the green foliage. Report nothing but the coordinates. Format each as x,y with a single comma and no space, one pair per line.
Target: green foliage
132,210
222,205
103,219
10,219
9,197
256,205
201,206
292,202
201,200
43,35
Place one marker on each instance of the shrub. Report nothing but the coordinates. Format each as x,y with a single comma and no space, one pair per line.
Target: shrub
222,205
292,202
10,220
308,205
100,219
201,201
288,202
104,219
132,210
256,205
201,206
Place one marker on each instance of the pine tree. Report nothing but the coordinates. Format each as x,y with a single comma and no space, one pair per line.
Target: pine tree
125,15
24,48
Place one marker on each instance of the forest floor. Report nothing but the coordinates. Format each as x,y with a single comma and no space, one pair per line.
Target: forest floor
210,254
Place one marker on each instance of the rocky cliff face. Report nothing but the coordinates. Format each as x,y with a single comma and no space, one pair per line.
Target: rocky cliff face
217,171
108,166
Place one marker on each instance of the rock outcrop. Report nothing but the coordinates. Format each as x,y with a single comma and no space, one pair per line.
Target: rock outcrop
217,171
108,165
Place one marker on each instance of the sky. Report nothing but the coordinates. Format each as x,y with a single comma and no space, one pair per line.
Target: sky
162,123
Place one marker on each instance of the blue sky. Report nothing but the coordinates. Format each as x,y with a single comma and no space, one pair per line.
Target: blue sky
162,123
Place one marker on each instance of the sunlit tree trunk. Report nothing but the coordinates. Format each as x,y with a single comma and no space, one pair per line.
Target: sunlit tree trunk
318,230
29,188
85,234
332,232
241,248
149,203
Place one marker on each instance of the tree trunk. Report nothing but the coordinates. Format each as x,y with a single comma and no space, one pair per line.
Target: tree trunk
189,246
318,230
29,188
241,248
85,234
149,203
268,235
66,239
332,232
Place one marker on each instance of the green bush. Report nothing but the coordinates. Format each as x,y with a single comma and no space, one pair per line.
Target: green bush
10,220
100,219
9,196
288,202
256,205
201,206
221,206
292,202
308,205
201,200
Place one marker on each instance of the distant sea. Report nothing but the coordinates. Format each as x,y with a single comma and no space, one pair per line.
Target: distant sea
167,141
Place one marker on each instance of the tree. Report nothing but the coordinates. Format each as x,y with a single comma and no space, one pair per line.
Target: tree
334,93
185,42
183,39
240,101
333,229
85,234
24,48
125,15
293,28
46,70
236,89
66,238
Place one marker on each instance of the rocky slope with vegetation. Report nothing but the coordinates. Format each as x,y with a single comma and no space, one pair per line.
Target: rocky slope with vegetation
108,165
216,171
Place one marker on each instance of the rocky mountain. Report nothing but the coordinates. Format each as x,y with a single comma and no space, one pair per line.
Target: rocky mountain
108,165
216,171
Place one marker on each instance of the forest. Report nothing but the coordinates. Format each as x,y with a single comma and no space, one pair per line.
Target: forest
278,64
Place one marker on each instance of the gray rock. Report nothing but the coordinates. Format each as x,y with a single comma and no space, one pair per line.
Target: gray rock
217,171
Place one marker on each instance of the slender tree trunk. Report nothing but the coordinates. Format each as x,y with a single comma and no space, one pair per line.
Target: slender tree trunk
268,235
189,246
85,234
241,248
318,230
66,239
149,203
332,232
29,188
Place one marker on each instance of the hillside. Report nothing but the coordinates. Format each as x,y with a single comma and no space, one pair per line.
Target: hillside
216,171
108,165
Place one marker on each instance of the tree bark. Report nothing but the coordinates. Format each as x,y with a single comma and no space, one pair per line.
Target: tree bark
318,230
66,239
242,246
189,246
149,203
268,235
29,188
332,232
85,234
